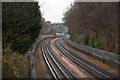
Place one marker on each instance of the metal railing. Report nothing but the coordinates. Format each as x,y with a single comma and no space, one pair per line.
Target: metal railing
94,69
95,52
32,58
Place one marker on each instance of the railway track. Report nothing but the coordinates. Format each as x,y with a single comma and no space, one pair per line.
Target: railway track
55,66
101,55
90,67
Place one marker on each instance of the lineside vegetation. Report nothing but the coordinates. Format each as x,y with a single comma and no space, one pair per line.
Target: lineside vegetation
21,24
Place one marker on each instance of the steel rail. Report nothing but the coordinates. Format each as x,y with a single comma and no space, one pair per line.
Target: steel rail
87,65
48,64
96,53
80,63
32,58
66,72
57,69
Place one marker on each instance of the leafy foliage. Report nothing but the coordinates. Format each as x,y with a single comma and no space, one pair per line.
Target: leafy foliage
14,66
92,41
21,24
96,43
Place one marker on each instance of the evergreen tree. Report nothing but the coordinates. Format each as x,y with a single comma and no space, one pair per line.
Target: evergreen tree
21,24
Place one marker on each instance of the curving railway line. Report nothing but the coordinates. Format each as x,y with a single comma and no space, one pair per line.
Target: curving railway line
92,68
58,69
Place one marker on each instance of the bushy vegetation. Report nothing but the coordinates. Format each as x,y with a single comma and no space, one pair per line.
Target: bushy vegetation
20,41
96,43
80,39
14,66
98,22
21,25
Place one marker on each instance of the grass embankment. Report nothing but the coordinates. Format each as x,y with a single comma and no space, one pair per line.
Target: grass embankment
14,65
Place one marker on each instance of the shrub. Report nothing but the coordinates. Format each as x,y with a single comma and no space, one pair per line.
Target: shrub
96,43
92,42
21,44
21,25
14,66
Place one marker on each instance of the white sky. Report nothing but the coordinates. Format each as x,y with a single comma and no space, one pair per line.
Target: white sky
53,10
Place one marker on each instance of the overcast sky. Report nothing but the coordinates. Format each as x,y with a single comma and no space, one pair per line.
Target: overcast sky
53,10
